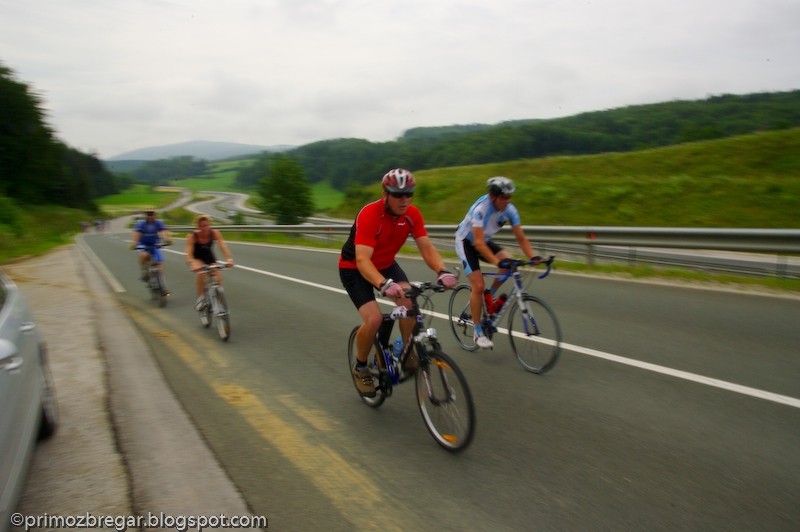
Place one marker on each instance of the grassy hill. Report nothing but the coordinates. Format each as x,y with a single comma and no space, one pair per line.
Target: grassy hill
746,181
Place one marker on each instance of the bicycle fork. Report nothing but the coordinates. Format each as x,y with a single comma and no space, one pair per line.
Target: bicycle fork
428,374
211,300
527,317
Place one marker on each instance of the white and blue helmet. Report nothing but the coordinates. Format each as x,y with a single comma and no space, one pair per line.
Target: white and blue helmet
500,185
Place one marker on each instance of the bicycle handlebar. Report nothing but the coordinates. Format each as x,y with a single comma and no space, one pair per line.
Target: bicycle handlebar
548,263
205,268
159,244
418,287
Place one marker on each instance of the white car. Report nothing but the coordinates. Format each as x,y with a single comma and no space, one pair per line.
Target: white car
28,409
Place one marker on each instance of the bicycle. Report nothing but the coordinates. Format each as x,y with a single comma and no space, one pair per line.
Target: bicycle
535,338
215,307
443,395
153,276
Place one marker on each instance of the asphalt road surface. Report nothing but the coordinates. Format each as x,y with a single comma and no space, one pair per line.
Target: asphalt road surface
671,407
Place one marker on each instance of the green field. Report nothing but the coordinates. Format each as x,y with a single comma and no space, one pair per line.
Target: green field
38,229
221,176
751,181
136,199
741,182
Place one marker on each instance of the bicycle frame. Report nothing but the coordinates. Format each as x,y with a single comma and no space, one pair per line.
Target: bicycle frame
443,395
392,365
216,305
517,295
211,287
155,275
534,331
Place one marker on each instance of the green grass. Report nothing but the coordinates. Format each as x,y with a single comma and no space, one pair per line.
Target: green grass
40,229
325,196
220,176
135,199
747,181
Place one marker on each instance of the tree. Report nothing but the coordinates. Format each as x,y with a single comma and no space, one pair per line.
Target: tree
35,167
285,194
29,157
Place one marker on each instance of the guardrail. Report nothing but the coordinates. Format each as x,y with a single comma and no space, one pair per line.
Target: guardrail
749,240
595,242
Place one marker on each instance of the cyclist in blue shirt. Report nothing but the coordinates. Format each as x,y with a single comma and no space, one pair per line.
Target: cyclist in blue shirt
146,234
474,242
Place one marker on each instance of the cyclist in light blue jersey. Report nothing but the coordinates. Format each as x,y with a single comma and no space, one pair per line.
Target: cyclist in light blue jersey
474,242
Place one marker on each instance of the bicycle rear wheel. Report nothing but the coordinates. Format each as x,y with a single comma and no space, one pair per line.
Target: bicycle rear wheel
460,315
223,316
380,396
445,401
535,335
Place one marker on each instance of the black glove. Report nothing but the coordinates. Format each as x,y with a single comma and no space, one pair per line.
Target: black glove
505,264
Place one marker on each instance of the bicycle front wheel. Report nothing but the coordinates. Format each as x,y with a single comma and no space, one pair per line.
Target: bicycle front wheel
380,396
223,316
460,315
160,289
205,313
154,284
535,335
445,401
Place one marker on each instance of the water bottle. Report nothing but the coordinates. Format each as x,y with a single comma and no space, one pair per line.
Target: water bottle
487,297
397,348
499,302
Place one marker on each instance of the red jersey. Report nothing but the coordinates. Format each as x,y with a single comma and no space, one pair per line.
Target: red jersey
386,234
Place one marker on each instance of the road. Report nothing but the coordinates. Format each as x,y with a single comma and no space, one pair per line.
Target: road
222,204
671,408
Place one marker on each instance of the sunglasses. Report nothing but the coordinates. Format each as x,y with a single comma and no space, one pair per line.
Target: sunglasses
505,196
398,195
150,213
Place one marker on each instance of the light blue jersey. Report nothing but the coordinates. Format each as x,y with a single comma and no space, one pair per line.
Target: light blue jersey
483,214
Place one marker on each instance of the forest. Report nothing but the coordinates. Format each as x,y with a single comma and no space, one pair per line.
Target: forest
36,168
354,162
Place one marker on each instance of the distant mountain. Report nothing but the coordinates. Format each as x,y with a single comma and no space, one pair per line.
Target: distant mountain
200,149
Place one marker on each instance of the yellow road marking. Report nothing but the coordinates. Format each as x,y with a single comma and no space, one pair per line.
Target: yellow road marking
315,418
190,354
347,488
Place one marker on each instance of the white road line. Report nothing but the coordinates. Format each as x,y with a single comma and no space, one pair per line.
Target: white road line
685,375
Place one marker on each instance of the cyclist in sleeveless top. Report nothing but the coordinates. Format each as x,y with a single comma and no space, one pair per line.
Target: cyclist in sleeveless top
367,263
474,242
199,252
146,234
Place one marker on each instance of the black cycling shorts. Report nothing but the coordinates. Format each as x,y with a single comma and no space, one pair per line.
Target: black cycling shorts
470,258
360,290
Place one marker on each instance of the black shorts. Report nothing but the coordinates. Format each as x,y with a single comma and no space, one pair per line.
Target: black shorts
360,290
470,258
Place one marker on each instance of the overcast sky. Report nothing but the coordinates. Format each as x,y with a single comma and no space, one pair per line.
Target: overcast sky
118,75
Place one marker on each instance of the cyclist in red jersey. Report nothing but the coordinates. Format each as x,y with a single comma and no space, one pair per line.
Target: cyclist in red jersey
367,262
